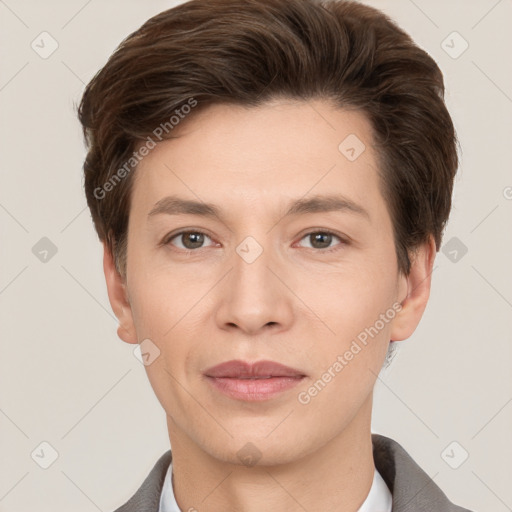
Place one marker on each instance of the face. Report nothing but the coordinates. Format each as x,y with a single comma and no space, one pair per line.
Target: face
294,262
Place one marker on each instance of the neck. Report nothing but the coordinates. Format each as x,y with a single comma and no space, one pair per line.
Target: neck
336,477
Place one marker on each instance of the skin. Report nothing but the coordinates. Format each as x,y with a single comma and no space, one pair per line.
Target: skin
295,304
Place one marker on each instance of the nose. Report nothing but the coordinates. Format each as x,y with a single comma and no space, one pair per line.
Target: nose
254,296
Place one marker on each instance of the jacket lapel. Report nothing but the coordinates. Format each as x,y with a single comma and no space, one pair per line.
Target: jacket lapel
147,497
412,489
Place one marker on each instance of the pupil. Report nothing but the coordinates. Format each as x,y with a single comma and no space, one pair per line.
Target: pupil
318,236
197,240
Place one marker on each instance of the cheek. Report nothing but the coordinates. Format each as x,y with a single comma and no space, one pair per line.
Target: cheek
162,300
160,314
171,309
347,363
356,313
351,299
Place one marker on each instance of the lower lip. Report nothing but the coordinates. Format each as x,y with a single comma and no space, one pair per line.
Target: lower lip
254,390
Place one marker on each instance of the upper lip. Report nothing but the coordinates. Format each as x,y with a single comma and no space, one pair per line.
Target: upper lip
240,369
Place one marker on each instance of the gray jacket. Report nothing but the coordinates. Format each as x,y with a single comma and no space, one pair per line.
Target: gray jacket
412,489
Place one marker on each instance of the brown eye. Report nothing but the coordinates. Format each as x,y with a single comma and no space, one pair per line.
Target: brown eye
190,240
322,240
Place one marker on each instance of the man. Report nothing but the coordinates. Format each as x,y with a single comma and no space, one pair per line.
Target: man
270,180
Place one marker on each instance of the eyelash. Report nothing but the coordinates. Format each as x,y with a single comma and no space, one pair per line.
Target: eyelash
167,240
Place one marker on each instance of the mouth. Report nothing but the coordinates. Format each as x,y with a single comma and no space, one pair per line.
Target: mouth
259,381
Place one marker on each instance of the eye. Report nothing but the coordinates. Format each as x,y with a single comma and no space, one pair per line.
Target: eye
194,239
190,240
322,240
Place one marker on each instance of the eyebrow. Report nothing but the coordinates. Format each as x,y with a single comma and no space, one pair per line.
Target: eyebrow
174,205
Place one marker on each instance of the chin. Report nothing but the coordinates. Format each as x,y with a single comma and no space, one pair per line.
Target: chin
250,451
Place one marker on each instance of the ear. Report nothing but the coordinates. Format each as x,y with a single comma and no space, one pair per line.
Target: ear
118,297
417,286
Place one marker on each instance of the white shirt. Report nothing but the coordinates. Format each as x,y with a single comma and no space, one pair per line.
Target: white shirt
378,500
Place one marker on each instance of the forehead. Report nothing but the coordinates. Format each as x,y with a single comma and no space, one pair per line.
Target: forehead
256,157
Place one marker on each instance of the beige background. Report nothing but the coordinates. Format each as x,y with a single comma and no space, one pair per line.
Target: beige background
65,377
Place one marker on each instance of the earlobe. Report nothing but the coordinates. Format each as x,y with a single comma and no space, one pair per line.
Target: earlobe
418,291
118,297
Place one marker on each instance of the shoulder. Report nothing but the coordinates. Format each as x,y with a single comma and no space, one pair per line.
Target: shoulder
411,487
147,497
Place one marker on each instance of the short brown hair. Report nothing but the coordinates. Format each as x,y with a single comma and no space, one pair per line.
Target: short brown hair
248,52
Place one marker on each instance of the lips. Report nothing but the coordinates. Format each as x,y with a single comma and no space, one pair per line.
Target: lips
256,382
237,369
